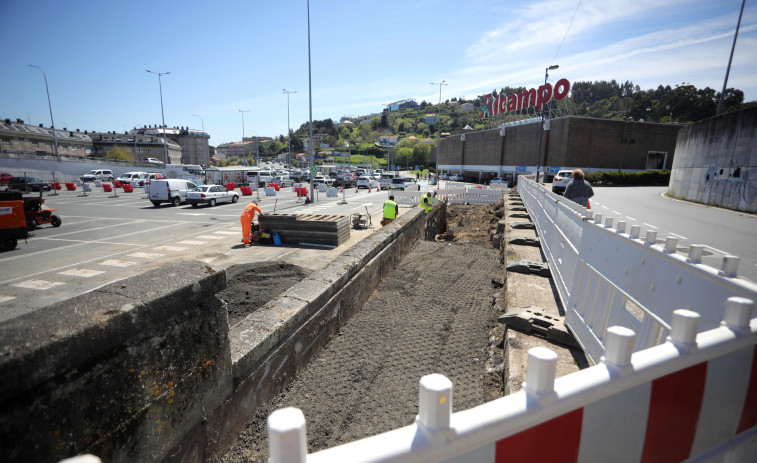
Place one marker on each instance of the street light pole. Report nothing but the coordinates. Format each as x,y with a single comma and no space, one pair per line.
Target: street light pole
541,133
52,123
289,135
728,70
438,121
203,136
310,128
162,114
244,155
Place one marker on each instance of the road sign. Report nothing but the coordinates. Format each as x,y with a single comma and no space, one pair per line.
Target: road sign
313,171
521,168
554,169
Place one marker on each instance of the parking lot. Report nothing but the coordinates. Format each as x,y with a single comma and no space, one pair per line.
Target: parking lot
105,238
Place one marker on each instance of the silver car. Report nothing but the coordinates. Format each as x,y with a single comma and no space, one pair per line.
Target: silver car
211,195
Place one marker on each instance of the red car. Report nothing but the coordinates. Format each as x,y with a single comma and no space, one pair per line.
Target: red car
4,177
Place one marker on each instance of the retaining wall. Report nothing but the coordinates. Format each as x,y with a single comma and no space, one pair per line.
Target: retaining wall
716,162
147,369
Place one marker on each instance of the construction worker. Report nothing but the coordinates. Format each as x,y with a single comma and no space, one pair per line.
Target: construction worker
248,214
427,203
390,211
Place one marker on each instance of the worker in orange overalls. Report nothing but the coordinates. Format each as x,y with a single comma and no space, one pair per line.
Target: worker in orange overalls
248,214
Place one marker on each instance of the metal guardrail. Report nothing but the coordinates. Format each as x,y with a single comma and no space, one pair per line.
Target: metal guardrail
607,274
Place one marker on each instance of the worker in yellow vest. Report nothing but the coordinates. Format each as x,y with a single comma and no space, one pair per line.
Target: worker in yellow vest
390,211
427,203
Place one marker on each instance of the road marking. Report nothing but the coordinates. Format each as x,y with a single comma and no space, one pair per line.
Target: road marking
193,242
718,250
38,284
677,236
117,263
191,213
144,255
211,237
221,232
170,248
616,212
650,226
6,298
631,218
81,272
605,207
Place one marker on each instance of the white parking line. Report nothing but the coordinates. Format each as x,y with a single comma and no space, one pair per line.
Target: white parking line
192,242
631,218
650,226
221,232
616,212
81,272
38,284
117,263
605,207
170,248
677,236
6,298
211,237
144,255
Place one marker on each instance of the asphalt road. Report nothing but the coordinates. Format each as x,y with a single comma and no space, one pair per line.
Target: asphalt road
722,231
105,239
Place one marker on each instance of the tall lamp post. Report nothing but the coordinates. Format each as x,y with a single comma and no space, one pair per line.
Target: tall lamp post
541,133
310,126
162,114
257,150
438,121
289,135
203,137
244,155
52,123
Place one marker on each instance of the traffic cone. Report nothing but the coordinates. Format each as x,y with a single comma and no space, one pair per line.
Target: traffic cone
341,191
369,189
357,189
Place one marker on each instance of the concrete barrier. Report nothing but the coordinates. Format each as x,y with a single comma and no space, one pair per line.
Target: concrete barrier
147,369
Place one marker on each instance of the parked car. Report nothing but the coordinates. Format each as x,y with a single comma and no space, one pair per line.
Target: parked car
98,174
27,184
498,180
404,184
211,195
561,180
129,177
148,177
283,180
172,191
457,178
367,182
345,181
5,177
152,161
386,181
328,181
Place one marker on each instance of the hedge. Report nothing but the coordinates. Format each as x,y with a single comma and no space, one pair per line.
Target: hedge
614,178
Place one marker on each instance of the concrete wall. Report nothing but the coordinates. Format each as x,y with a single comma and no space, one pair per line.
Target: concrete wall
67,169
716,160
147,369
592,144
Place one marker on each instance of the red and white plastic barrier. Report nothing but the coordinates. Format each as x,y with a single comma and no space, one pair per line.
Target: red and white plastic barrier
693,397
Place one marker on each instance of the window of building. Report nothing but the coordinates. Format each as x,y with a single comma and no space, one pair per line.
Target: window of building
656,160
26,141
6,141
35,143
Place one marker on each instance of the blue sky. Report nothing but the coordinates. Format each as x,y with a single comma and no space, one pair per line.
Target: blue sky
235,55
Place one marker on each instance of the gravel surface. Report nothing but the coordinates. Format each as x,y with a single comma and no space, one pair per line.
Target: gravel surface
250,286
433,314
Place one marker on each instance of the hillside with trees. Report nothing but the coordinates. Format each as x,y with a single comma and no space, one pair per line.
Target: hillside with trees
681,103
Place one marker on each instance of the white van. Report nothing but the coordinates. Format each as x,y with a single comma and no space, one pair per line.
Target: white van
104,175
129,177
172,191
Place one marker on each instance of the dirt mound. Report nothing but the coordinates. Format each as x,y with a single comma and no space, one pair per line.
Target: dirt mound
475,224
250,286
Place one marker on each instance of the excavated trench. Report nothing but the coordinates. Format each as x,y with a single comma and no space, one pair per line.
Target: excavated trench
434,313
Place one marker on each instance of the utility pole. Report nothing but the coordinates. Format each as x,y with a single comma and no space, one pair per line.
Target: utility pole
289,136
438,121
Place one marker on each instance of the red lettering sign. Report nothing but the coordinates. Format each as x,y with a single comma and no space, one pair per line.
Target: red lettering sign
495,104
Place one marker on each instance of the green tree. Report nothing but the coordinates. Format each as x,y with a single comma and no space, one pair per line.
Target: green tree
116,152
421,154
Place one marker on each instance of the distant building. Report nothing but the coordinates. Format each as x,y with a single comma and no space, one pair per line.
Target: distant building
390,140
147,144
26,138
430,118
467,107
408,103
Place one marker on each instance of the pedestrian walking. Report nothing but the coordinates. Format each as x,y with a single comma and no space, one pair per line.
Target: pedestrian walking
390,211
579,190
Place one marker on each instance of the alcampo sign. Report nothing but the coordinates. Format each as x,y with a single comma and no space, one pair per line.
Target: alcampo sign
495,104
